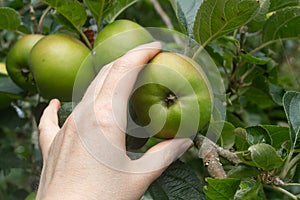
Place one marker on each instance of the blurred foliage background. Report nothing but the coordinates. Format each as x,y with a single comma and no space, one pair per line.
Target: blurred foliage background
20,157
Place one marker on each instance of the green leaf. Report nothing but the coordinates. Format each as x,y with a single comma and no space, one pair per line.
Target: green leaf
10,119
250,190
259,92
257,134
246,159
276,4
259,97
64,22
186,12
241,143
265,156
7,86
16,4
282,25
278,134
253,115
291,103
235,120
10,160
118,9
64,111
255,60
9,19
72,10
277,93
216,18
227,138
100,8
243,171
31,196
221,189
178,181
260,16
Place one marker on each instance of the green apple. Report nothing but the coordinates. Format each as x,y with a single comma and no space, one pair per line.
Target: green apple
171,98
115,39
54,62
17,62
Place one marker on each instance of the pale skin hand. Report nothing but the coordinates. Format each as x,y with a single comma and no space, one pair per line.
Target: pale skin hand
70,171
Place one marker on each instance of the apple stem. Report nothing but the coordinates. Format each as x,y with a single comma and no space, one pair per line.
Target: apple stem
166,19
32,17
20,33
40,25
85,39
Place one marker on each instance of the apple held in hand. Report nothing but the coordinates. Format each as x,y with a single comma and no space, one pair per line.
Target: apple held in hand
17,62
172,97
54,62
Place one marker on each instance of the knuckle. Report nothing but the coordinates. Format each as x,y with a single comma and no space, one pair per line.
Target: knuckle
104,115
40,127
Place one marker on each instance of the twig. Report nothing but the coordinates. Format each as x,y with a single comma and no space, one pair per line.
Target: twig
165,18
291,184
228,155
208,152
26,8
33,18
285,192
162,14
40,25
289,164
262,46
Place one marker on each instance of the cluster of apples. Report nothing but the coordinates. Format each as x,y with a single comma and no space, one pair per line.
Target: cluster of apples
50,65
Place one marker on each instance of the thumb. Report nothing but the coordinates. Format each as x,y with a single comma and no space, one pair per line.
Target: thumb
48,127
163,154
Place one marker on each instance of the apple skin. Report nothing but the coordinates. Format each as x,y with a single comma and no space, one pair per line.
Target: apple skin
17,62
172,97
115,39
54,62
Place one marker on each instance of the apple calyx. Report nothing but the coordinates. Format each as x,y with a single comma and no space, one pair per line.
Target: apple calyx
25,72
170,99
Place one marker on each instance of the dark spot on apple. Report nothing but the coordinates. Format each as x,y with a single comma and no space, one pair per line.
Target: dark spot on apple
170,99
25,72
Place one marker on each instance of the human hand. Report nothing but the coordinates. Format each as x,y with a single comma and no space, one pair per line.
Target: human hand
86,158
